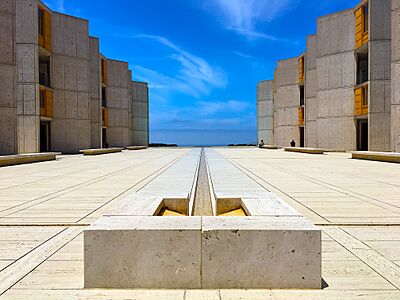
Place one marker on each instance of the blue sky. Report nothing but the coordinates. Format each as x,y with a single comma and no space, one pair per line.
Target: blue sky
202,58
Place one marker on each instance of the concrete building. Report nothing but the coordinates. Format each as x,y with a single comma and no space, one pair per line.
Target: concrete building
54,82
342,84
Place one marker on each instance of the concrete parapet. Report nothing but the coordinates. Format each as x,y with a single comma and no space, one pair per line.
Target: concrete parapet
202,252
305,150
100,151
393,157
10,160
136,147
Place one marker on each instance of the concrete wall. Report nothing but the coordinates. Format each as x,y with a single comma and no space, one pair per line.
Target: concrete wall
286,103
265,112
27,80
395,100
118,104
8,105
311,92
71,123
335,61
140,114
379,75
95,90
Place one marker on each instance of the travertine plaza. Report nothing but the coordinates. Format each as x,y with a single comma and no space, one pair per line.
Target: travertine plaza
47,207
110,218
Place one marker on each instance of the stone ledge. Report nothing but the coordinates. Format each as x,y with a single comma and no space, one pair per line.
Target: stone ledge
270,147
10,160
136,147
393,157
100,151
305,150
202,252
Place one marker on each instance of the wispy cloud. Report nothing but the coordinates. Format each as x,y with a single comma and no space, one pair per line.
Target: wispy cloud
60,6
242,16
195,76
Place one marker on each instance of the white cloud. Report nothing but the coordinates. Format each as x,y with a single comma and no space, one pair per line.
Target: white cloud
61,6
196,76
242,16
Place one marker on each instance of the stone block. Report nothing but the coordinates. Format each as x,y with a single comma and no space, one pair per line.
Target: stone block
8,132
27,63
26,21
143,252
58,72
7,38
7,86
395,35
84,134
7,6
58,133
260,252
83,106
71,134
58,105
70,73
71,105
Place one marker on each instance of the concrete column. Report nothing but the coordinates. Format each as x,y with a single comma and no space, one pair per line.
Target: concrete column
335,81
8,105
140,113
379,106
395,100
286,103
265,112
95,90
311,92
27,60
118,104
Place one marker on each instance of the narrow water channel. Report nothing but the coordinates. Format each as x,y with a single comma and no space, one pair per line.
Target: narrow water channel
202,200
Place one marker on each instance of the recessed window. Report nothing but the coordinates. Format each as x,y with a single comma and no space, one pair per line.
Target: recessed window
362,68
301,95
40,21
103,97
366,15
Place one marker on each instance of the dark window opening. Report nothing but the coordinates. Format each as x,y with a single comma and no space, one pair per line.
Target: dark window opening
362,68
362,135
301,95
302,137
104,138
44,71
40,22
103,97
44,136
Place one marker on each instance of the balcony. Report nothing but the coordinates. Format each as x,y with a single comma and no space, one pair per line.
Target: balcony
44,27
362,25
361,101
301,115
301,70
46,103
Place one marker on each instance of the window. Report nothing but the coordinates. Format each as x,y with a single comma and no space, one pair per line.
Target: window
301,95
365,96
366,15
362,68
103,97
40,21
44,71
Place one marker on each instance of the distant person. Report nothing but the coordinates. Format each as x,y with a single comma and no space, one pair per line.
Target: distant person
261,144
292,143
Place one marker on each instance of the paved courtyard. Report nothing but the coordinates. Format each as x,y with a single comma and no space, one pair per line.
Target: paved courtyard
45,207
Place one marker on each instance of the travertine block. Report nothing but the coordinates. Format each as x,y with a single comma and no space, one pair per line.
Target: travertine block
143,252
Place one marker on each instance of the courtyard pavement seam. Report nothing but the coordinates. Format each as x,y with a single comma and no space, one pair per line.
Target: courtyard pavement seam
61,192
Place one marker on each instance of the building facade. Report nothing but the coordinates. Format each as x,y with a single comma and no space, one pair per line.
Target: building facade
339,94
58,93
